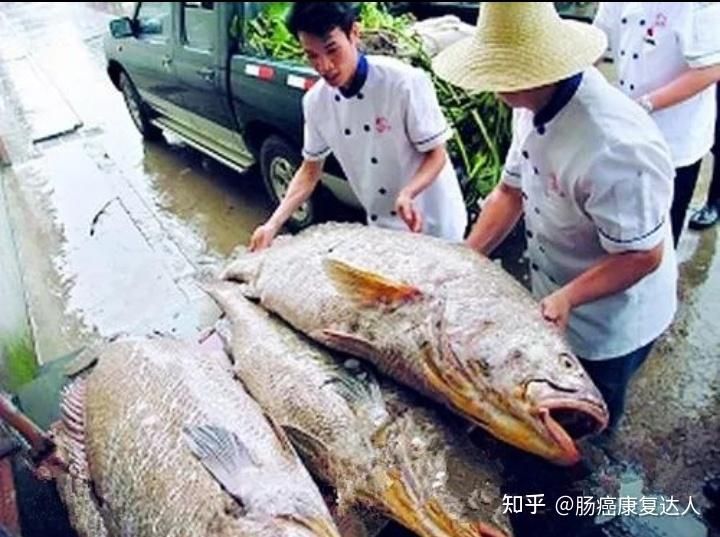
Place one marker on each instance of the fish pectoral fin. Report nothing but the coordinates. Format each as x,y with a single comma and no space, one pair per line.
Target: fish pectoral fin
282,437
368,288
307,445
345,342
222,454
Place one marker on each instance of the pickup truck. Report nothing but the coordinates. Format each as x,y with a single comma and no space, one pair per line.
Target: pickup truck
185,67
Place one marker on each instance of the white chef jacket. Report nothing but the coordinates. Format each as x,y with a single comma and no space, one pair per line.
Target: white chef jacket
652,43
379,135
596,178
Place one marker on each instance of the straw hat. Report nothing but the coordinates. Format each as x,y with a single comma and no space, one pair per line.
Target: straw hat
519,46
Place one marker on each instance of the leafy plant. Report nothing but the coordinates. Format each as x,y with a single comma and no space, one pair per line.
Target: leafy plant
20,362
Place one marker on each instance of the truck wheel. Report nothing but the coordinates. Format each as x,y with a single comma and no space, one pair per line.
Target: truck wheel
138,109
278,162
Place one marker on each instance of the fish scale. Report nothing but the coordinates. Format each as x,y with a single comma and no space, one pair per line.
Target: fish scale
427,312
145,479
377,445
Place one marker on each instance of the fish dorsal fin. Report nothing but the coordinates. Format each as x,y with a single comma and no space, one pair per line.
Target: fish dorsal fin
222,454
369,288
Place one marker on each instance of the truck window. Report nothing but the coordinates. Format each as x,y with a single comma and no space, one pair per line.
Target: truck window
199,25
154,21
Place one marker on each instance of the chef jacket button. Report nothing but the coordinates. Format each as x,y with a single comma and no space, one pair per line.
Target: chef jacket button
367,128
529,234
337,98
542,249
541,129
374,160
393,213
622,53
635,56
525,154
348,132
632,87
537,172
535,267
361,96
537,211
382,191
642,22
524,195
623,20
374,218
622,82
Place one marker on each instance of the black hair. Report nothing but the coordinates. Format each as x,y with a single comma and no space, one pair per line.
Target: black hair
321,18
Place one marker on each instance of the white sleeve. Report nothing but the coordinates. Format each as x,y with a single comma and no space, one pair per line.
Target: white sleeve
315,148
700,39
607,16
630,190
511,173
425,123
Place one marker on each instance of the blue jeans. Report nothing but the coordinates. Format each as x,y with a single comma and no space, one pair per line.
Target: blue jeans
612,377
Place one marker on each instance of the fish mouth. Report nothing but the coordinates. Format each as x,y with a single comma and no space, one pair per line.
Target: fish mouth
569,420
428,518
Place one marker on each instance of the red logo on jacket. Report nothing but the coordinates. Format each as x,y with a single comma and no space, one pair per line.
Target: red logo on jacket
382,125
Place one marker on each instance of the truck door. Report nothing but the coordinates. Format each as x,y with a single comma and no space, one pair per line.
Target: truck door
148,56
199,62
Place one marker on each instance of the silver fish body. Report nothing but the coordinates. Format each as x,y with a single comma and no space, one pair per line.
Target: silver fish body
376,444
164,442
437,317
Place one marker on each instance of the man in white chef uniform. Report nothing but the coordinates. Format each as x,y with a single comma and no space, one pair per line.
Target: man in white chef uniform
381,119
667,56
593,176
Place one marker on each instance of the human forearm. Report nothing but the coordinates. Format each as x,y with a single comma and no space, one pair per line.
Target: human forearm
428,171
499,214
685,86
612,274
300,189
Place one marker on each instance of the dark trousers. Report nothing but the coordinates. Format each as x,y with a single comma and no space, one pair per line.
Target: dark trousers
714,192
613,376
685,180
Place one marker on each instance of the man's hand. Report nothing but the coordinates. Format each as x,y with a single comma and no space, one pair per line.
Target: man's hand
407,211
263,237
556,308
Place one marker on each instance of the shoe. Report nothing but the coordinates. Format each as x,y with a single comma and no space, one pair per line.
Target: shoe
711,489
705,217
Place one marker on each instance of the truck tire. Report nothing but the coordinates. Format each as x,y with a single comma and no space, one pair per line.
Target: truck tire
278,163
138,109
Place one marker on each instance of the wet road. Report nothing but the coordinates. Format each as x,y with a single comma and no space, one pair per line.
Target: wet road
110,232
109,225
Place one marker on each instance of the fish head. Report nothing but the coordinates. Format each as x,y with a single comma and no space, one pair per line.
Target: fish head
532,393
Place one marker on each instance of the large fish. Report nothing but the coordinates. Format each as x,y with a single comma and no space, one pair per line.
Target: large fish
373,442
163,442
437,317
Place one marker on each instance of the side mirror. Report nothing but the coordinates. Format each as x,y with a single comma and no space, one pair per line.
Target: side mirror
120,28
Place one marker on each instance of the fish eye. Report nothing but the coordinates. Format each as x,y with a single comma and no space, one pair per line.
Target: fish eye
566,361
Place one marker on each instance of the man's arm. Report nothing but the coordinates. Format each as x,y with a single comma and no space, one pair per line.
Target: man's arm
612,274
687,85
300,189
432,164
500,212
